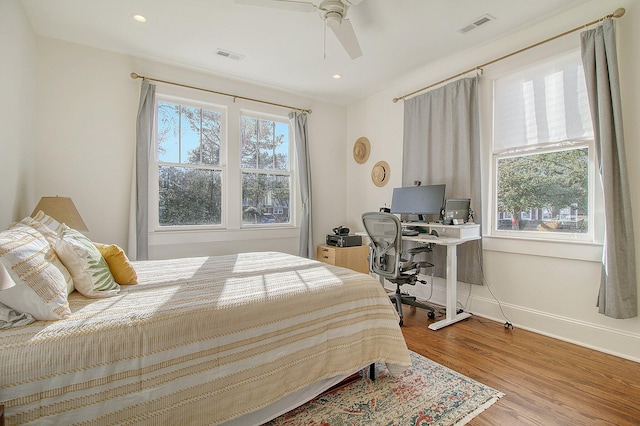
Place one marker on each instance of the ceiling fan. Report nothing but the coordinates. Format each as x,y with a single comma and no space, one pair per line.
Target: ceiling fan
333,12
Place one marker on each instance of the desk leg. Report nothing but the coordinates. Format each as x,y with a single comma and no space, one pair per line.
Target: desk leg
452,292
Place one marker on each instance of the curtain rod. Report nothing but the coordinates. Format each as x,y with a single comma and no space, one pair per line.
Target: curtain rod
134,76
618,13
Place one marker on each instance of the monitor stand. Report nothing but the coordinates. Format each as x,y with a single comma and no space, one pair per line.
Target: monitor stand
421,219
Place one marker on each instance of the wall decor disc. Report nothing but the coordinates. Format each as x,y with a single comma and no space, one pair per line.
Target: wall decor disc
361,150
380,173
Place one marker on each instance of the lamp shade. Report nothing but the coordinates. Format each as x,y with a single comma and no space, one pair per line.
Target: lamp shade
63,210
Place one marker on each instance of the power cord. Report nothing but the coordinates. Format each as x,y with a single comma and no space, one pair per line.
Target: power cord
508,324
463,308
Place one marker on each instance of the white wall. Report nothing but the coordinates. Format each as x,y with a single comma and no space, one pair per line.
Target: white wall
86,136
17,112
554,295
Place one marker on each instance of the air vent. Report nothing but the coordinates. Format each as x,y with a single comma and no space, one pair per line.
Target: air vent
230,55
476,23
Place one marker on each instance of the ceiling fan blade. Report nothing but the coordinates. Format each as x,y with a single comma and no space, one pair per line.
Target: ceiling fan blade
344,31
296,6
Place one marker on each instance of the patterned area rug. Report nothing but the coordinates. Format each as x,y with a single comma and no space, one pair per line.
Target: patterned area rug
426,394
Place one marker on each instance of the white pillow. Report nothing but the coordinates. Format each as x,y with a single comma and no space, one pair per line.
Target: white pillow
5,279
49,228
48,221
90,272
40,286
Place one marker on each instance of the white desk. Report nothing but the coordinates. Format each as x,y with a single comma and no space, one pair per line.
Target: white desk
450,236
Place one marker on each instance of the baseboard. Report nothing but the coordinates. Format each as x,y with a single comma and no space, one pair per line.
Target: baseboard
620,343
604,339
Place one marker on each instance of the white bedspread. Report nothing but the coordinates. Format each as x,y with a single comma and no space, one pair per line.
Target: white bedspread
198,341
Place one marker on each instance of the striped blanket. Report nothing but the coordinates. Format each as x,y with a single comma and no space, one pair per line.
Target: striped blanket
198,341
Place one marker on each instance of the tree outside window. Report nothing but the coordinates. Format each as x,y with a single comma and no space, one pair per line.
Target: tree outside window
545,192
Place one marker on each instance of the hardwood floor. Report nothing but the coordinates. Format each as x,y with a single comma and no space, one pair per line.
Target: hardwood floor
545,381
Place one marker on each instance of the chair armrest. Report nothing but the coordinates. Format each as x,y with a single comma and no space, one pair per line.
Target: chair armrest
419,249
424,265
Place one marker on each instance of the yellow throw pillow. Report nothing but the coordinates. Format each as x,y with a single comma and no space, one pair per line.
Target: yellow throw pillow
120,266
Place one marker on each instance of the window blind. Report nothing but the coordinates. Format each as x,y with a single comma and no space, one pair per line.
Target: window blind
542,105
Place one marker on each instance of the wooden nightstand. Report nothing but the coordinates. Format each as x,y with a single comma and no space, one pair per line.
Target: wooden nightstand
355,258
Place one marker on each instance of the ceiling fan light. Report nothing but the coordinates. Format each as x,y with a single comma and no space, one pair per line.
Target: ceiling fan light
333,19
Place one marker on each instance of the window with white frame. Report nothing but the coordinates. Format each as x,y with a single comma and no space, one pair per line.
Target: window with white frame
203,180
543,152
266,172
189,143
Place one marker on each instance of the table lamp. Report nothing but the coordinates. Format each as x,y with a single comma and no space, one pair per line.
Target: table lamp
63,210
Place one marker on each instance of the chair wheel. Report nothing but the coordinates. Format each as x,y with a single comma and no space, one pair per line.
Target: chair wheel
401,322
431,315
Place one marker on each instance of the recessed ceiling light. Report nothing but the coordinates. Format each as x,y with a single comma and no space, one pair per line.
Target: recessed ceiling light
337,76
139,18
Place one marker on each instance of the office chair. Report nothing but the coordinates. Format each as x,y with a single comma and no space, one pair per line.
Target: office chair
385,258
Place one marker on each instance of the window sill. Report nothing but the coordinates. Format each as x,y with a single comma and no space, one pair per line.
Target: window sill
171,237
575,250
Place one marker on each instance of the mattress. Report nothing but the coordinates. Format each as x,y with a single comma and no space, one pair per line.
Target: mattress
198,341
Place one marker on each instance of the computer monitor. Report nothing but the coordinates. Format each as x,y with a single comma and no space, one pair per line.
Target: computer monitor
456,211
418,200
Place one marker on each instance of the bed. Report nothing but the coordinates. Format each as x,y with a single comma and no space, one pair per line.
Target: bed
235,339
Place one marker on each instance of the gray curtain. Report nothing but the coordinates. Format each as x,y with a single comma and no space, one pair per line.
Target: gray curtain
618,287
299,122
441,144
144,134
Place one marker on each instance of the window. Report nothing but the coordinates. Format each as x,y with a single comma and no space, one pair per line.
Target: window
543,152
544,192
189,172
212,175
266,171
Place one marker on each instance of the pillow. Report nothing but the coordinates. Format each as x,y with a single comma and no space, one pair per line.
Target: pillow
5,279
119,264
39,279
50,233
48,221
90,272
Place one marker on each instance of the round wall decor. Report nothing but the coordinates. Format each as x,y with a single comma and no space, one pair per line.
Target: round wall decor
361,150
380,173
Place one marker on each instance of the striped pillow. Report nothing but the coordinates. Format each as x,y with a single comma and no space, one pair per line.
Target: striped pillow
40,279
48,221
50,228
